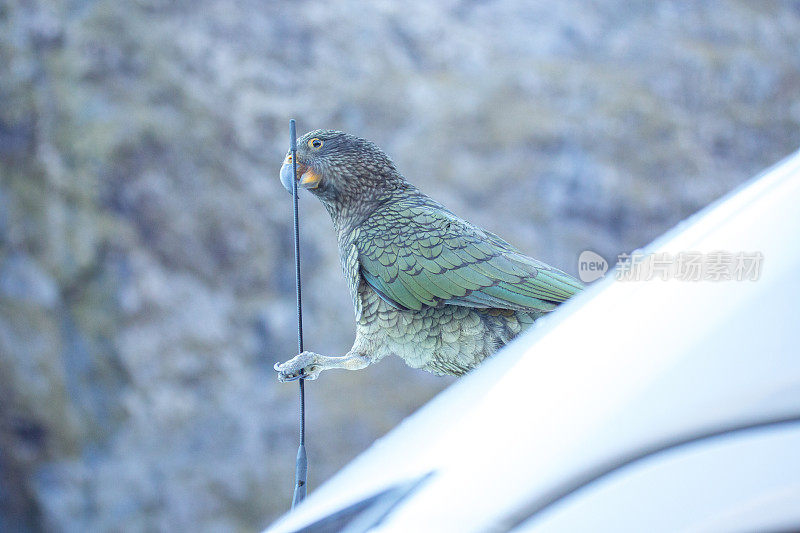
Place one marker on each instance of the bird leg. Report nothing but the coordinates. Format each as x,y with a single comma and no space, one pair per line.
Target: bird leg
308,365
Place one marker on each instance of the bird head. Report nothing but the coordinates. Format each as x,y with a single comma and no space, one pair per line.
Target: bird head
336,166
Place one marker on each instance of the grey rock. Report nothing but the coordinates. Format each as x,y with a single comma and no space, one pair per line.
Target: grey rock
24,280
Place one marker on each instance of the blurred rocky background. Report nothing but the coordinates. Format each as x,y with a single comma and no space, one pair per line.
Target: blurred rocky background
146,278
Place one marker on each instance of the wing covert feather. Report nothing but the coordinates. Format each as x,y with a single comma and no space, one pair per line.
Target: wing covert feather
415,253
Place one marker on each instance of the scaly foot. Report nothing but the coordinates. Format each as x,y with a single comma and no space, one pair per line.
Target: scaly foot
306,366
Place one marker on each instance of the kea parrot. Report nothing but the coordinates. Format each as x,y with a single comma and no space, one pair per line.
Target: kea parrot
426,285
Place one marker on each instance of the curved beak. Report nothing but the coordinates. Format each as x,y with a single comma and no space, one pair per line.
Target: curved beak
286,175
308,177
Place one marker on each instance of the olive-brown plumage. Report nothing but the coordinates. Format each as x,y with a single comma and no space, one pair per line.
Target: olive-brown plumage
427,286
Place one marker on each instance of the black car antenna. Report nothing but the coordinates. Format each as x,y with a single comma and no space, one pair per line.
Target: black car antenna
301,467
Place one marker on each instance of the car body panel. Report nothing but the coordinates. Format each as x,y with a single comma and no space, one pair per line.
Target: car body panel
624,367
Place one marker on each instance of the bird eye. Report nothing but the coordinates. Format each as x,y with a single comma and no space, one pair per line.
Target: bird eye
315,143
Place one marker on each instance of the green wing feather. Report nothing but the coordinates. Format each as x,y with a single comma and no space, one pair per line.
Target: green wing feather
416,254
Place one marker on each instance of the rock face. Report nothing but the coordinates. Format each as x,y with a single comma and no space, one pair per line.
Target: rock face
146,284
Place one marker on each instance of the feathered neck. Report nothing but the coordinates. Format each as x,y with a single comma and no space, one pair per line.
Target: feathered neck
350,208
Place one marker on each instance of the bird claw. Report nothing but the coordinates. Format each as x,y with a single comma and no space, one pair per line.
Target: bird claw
285,377
302,366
